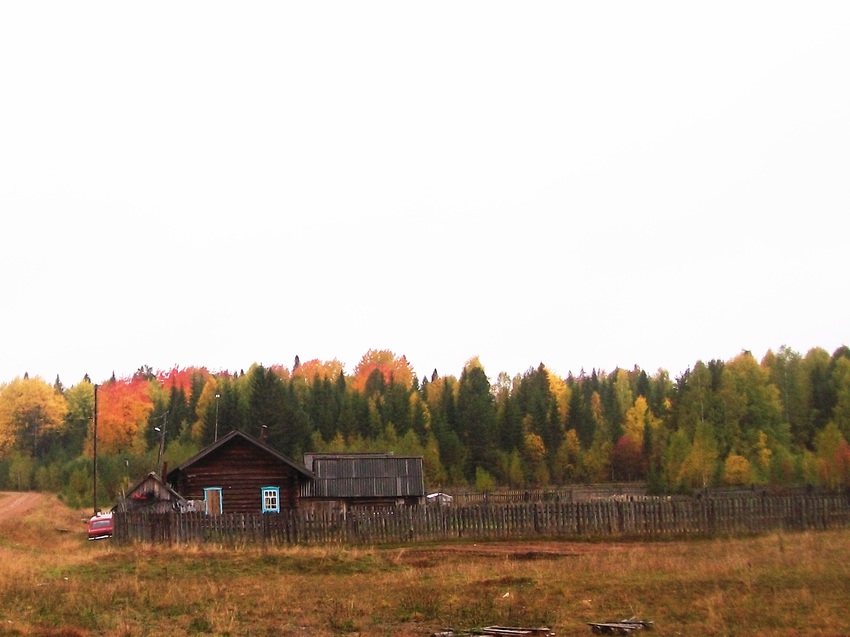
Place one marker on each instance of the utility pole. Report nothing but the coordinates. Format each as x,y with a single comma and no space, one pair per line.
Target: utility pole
94,448
217,396
161,443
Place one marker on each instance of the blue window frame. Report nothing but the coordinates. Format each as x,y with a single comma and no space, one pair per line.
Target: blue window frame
271,499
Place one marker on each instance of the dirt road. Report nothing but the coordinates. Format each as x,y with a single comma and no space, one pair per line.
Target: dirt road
15,504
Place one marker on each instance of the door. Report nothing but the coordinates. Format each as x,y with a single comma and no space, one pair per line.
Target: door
212,498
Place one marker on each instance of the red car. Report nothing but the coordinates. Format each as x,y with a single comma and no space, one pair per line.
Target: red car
100,526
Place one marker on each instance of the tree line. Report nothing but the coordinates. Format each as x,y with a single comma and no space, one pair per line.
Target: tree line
782,421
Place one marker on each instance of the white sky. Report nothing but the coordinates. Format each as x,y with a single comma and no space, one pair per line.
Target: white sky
587,185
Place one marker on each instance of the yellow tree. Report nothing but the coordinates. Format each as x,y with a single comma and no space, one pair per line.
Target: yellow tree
435,393
568,459
208,403
762,456
699,467
435,473
31,410
596,462
561,391
637,418
736,470
623,392
535,454
632,453
677,451
323,369
597,412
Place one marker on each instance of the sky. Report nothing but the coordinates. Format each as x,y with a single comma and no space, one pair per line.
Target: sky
587,185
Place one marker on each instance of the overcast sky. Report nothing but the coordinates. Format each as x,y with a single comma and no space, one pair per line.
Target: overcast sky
587,185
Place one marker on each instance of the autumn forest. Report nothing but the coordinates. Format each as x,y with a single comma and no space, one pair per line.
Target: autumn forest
784,420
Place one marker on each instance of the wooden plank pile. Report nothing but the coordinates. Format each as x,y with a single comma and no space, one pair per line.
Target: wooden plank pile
497,631
623,627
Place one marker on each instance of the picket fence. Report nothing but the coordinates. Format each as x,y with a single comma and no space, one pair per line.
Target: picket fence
602,518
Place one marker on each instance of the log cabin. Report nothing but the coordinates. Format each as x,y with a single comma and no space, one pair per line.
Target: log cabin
240,474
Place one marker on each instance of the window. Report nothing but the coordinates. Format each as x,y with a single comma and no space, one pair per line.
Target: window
212,501
271,499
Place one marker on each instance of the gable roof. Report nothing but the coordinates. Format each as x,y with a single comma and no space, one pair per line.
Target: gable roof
227,440
157,491
153,475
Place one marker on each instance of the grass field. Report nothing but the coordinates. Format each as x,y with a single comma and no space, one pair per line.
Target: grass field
55,583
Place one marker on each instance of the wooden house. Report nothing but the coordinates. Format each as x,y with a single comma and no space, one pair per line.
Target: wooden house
240,474
152,494
343,480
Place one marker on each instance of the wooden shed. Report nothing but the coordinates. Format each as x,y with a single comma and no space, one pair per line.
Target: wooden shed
240,474
152,494
342,480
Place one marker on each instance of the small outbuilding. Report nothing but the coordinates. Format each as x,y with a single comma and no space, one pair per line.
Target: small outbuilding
240,474
343,480
153,495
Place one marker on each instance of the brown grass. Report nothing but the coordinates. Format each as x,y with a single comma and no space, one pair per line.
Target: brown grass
53,582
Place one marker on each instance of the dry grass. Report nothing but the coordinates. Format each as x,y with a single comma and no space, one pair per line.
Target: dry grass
55,583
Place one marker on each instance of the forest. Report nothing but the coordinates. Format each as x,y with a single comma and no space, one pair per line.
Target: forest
782,421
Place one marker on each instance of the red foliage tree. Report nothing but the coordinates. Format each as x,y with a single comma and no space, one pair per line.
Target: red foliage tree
392,368
842,460
627,459
123,408
181,378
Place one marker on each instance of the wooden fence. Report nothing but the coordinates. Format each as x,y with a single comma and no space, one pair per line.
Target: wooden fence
599,518
572,493
611,490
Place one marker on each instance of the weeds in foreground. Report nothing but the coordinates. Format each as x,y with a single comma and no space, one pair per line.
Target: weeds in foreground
53,582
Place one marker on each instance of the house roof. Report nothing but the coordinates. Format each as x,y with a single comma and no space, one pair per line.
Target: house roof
227,440
161,489
154,476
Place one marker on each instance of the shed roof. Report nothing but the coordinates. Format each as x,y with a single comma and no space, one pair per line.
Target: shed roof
228,439
363,475
311,456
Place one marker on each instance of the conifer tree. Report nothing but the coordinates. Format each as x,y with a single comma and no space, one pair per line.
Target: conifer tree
476,418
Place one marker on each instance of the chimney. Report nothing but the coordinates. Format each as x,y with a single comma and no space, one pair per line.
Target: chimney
263,431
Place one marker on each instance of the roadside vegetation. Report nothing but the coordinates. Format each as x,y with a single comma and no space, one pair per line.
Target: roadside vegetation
54,583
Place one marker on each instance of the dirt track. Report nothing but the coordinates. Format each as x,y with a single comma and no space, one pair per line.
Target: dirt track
15,504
